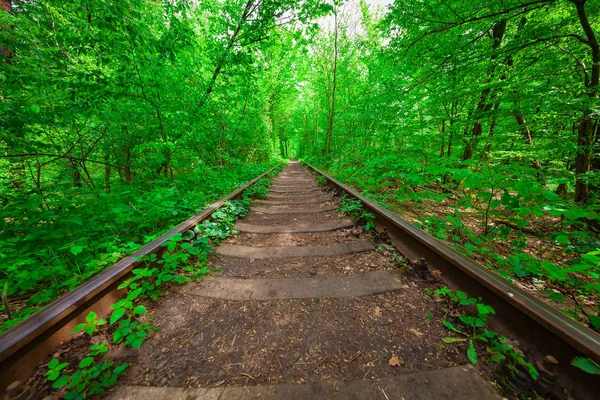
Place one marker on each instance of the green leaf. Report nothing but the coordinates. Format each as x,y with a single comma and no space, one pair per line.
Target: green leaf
86,362
470,247
557,297
91,317
586,365
484,309
594,321
134,294
79,328
453,340
76,249
575,213
562,239
472,353
137,343
52,375
450,326
116,315
62,366
62,381
121,368
140,310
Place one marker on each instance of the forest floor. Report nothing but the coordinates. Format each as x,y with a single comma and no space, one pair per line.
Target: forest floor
539,245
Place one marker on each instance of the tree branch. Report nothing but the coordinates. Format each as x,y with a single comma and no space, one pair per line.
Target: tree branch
452,25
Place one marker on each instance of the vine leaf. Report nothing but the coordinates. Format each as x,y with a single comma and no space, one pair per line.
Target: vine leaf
586,365
472,353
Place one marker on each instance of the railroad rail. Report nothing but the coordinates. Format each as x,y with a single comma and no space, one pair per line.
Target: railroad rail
26,344
519,314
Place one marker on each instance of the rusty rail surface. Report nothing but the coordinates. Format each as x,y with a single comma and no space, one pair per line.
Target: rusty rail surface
518,313
26,344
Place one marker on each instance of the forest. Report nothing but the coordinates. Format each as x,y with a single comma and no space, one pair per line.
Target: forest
477,121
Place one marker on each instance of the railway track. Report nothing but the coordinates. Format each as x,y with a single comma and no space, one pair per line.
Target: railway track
304,304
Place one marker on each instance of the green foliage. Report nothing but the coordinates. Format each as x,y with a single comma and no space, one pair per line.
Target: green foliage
91,324
258,191
442,114
351,207
54,368
354,209
117,122
474,324
90,379
586,365
132,333
115,225
521,202
221,221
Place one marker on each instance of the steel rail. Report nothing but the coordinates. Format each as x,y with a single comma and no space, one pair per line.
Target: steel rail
26,344
520,313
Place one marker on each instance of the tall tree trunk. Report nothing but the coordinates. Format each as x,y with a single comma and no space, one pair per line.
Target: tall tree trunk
334,83
482,105
586,124
306,131
316,126
6,7
518,109
523,127
443,146
583,159
107,170
492,131
167,166
75,173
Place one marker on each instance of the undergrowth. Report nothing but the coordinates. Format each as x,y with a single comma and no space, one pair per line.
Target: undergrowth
183,259
503,216
69,236
354,209
474,332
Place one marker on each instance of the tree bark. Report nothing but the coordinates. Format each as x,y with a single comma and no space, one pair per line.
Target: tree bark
443,131
488,146
127,161
585,129
334,84
6,7
483,106
107,171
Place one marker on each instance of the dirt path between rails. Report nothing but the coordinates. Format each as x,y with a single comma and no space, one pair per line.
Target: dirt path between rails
209,342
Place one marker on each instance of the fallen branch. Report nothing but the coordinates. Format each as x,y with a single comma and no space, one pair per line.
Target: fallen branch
515,226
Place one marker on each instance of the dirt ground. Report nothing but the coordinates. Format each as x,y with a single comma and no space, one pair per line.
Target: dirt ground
208,342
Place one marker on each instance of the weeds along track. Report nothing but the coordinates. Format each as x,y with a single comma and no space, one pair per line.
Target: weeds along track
28,343
304,303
